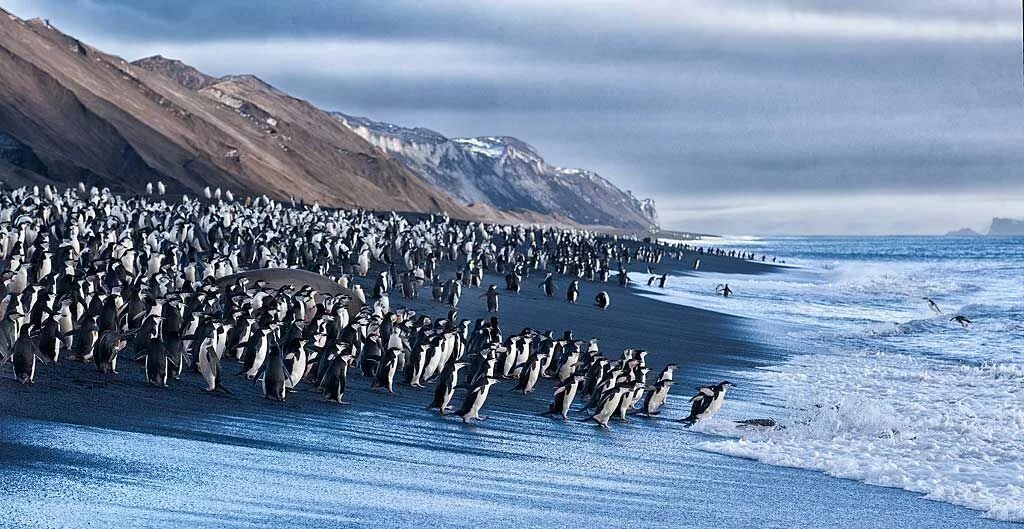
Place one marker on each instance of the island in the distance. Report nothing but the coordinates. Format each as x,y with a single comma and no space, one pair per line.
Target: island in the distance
999,227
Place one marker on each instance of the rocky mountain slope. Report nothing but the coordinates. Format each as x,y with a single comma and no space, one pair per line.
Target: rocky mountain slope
1006,227
508,174
69,112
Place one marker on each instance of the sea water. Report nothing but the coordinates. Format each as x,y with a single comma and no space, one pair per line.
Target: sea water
887,391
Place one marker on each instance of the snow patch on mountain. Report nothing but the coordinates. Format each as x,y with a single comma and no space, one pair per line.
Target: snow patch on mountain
507,173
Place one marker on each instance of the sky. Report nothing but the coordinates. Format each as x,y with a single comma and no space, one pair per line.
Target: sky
735,116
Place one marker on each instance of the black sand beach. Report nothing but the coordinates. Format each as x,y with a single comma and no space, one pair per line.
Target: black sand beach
83,449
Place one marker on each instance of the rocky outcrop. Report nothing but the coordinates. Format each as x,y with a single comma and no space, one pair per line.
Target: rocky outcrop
1002,226
508,174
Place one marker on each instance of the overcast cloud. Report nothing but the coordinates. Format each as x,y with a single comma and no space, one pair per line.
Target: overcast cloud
784,116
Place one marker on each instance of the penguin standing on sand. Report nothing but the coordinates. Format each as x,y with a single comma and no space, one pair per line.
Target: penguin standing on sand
275,378
549,285
602,300
565,394
385,376
707,402
209,367
109,344
492,298
656,397
50,339
23,355
85,339
445,389
336,378
666,374
573,294
475,400
157,361
608,403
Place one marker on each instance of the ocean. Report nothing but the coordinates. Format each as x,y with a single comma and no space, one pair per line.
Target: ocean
884,390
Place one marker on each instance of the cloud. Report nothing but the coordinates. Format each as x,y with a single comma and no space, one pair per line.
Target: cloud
684,101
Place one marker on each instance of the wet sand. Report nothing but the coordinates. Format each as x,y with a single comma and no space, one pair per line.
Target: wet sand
80,449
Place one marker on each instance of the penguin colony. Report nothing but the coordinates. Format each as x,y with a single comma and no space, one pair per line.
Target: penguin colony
92,276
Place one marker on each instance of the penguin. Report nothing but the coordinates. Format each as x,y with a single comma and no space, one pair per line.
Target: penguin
475,400
85,338
934,306
548,285
565,394
573,294
707,402
962,320
156,361
9,329
529,375
50,340
445,388
656,397
602,301
609,402
385,376
666,374
274,378
23,355
109,344
454,292
492,298
208,364
255,353
335,379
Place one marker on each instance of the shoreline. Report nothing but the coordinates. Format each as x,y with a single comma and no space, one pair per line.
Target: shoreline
368,459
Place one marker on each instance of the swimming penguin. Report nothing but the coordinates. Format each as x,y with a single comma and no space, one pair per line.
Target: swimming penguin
565,394
962,320
475,400
656,397
707,402
573,294
445,388
109,344
492,298
933,306
602,300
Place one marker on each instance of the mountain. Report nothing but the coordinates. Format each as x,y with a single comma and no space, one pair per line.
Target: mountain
1006,227
508,174
70,113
